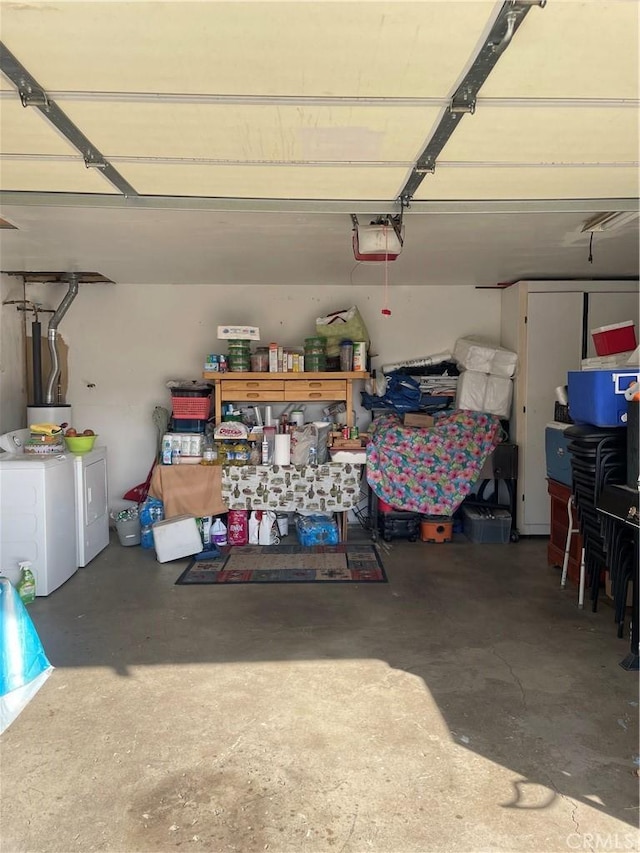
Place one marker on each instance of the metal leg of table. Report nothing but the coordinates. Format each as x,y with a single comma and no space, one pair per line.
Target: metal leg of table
373,515
343,525
632,661
581,582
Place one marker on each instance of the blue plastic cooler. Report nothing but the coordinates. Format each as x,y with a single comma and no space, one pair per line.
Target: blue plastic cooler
557,453
597,396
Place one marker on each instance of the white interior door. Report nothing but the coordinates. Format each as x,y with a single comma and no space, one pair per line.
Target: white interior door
610,307
554,341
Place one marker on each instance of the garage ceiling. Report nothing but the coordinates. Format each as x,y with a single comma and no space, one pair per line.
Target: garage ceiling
432,109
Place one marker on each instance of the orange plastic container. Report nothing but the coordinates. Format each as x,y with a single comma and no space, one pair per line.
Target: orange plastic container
436,529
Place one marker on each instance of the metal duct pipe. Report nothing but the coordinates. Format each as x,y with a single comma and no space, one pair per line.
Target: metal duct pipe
52,335
36,358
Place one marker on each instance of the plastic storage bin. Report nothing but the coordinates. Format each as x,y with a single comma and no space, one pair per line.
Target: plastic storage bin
188,425
557,453
486,526
193,408
619,337
176,537
597,396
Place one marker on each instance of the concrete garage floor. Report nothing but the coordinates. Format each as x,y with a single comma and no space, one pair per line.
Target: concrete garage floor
465,706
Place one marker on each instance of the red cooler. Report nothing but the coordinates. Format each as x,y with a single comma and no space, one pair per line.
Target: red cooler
620,337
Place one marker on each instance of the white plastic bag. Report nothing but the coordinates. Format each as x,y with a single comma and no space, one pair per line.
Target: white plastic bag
268,533
302,440
254,527
341,325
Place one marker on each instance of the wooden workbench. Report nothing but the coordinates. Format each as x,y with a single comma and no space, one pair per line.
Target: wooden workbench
284,388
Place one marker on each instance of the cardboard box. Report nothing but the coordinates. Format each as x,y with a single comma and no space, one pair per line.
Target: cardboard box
416,419
241,333
346,444
273,358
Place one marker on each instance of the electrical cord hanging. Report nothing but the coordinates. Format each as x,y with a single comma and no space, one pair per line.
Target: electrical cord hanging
590,248
386,311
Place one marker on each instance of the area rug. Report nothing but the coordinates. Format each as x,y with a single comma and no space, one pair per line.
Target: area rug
343,563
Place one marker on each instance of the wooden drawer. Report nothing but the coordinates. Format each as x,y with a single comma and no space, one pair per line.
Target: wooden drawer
309,396
315,390
303,386
251,385
254,396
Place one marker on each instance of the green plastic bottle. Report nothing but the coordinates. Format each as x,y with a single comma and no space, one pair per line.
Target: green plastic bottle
27,583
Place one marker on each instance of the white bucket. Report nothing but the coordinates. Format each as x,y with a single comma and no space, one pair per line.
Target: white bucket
282,520
129,531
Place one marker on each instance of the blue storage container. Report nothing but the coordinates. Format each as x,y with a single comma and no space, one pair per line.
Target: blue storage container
557,453
188,425
597,396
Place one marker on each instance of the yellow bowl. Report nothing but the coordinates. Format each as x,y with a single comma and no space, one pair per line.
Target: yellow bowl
80,443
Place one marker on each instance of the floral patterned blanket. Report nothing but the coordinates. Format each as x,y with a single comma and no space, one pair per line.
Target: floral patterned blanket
429,471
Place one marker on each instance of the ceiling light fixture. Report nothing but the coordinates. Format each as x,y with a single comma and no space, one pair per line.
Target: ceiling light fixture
609,221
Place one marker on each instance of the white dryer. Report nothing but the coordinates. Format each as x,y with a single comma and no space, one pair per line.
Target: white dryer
92,512
37,513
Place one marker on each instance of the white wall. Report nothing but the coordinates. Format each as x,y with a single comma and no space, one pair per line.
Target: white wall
126,341
13,392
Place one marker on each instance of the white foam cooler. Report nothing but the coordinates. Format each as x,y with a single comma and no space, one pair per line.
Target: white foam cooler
485,358
481,392
176,537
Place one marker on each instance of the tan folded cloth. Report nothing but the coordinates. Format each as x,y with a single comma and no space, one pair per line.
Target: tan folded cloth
188,489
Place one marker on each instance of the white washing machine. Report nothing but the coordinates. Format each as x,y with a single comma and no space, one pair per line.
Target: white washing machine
37,513
92,512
